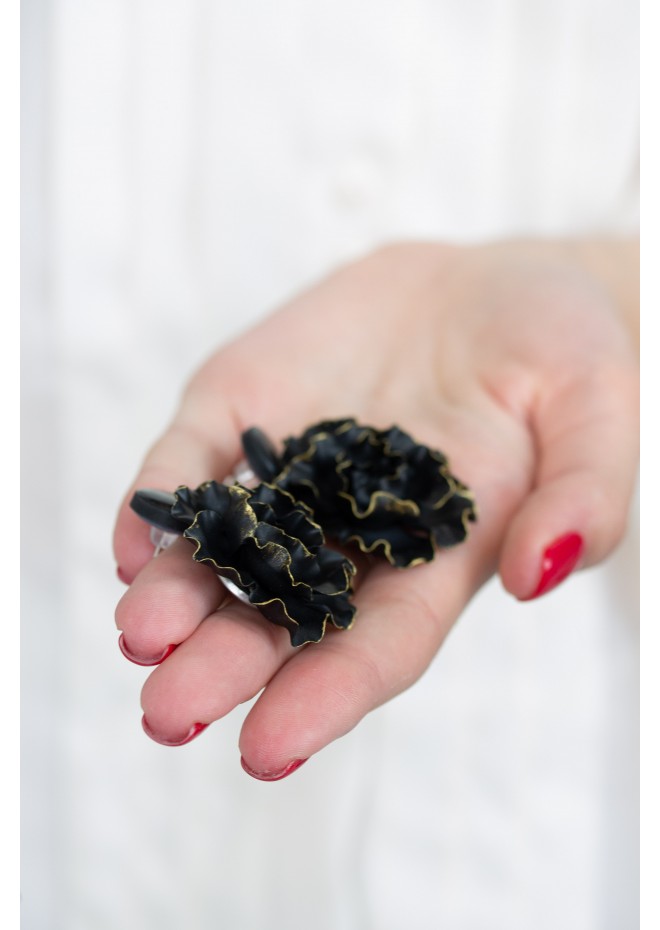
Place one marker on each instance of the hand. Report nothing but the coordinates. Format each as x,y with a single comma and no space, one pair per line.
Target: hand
513,359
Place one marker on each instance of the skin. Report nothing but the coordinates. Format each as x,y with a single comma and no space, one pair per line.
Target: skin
516,359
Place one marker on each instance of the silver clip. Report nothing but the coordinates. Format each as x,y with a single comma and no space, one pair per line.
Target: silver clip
161,539
242,474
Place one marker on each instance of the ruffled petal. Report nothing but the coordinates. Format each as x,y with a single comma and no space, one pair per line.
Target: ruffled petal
266,544
378,488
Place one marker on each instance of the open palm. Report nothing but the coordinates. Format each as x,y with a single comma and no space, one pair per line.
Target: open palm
508,358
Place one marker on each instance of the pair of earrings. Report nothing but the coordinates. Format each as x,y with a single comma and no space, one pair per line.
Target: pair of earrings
377,489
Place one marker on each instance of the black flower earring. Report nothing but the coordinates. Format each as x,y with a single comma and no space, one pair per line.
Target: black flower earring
265,547
377,488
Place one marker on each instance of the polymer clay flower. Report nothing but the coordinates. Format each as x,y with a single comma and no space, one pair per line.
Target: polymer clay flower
378,488
266,545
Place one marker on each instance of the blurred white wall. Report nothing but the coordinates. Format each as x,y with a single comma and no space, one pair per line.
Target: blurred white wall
186,167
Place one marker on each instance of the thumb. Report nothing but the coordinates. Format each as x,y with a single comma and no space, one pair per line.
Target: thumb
586,431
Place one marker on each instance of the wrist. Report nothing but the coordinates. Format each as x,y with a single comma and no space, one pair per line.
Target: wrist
614,262
611,263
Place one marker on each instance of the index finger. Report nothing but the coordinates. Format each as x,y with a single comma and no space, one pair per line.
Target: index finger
189,452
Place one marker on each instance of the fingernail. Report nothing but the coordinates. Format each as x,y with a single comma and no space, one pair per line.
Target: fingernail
559,560
121,574
273,776
194,731
138,660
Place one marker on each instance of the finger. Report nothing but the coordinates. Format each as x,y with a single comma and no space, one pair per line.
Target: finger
228,653
166,603
324,691
226,661
587,434
190,452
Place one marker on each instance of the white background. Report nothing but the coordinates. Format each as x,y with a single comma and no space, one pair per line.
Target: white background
185,169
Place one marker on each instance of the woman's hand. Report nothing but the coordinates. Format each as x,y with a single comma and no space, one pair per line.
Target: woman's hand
514,359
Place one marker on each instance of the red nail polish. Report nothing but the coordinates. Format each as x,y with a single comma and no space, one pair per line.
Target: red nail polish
144,662
559,560
273,776
194,731
121,574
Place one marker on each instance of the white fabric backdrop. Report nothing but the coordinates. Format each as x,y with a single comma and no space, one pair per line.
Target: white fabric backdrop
186,167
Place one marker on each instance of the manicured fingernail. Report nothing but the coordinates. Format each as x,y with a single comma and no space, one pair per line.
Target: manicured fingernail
121,574
273,776
194,731
559,560
139,660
